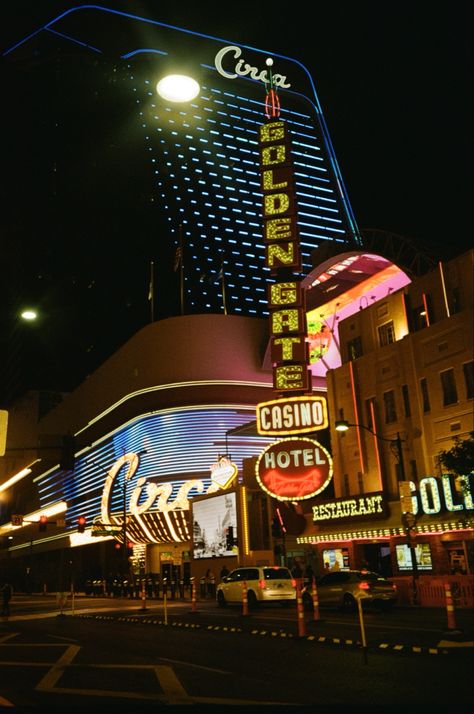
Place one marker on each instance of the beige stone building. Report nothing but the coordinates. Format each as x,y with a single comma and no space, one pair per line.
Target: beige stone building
406,388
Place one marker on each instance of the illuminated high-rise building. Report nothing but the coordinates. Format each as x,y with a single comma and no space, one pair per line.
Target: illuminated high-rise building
196,161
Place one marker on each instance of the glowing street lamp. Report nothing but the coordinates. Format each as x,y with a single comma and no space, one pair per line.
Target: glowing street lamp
178,88
29,315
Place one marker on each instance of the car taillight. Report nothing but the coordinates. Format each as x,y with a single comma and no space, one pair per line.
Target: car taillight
262,584
293,582
364,585
394,587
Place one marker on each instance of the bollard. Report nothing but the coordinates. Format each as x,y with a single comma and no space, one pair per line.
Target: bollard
300,610
314,593
193,595
362,629
165,608
245,605
450,607
143,607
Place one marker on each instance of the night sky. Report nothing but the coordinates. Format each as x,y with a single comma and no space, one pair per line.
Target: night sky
395,84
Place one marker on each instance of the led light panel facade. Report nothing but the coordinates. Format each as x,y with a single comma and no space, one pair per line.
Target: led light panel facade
181,445
200,158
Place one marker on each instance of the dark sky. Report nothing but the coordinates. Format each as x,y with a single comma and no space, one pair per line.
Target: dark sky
394,80
395,83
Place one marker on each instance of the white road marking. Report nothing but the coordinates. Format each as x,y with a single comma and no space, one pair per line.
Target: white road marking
57,670
173,690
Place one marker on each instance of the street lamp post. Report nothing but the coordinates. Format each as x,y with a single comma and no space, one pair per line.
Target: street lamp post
343,425
408,519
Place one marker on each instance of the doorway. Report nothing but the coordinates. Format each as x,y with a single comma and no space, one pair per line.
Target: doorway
376,557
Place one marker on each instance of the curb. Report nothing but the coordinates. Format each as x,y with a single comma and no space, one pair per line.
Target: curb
282,634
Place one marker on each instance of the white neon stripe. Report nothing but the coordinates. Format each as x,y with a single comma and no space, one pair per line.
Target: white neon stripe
172,385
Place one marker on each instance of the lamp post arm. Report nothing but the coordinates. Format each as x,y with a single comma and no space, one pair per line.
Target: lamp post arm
396,444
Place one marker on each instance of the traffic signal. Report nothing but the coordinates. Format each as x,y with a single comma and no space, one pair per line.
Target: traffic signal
276,527
81,524
68,449
229,538
43,521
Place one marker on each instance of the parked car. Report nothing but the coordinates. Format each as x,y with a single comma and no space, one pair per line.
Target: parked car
342,588
264,584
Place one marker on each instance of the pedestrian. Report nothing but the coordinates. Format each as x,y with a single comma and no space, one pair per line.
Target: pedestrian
224,572
7,592
297,573
210,581
296,570
308,575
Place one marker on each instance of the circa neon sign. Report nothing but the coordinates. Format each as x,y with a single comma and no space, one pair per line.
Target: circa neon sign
155,492
242,68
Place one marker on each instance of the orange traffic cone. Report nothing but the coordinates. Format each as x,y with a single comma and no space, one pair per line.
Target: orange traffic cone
300,611
449,607
314,593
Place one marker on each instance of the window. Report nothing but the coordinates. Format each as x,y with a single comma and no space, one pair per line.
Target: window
354,348
468,370
424,395
448,383
369,409
346,485
413,470
389,407
406,400
419,318
386,334
455,301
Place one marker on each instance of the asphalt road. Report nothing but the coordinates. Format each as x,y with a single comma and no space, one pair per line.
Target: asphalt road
71,663
423,628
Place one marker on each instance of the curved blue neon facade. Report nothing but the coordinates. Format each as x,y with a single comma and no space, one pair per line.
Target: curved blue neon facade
181,445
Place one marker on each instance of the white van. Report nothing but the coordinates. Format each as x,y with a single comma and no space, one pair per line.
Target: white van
264,584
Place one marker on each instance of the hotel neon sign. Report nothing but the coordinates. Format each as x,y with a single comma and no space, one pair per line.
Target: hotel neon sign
294,469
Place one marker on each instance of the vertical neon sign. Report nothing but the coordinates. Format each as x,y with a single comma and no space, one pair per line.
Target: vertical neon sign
289,349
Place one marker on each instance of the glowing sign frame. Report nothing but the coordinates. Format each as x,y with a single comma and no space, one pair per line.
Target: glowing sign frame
310,461
287,403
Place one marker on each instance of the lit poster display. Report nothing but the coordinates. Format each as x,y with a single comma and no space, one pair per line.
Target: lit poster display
211,519
423,557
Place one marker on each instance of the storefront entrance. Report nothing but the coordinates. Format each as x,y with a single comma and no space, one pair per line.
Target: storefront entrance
376,557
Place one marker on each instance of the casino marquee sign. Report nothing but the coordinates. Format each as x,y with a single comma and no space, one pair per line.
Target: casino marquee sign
292,415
